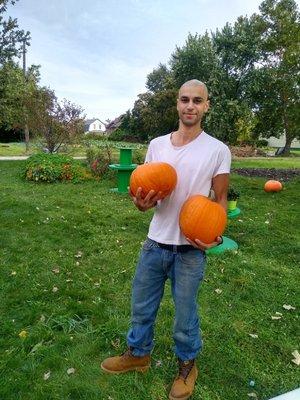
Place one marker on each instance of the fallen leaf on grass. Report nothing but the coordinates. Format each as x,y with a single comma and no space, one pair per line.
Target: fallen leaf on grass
36,347
158,363
47,375
23,334
253,335
116,343
79,254
288,307
218,291
253,395
296,360
13,273
55,270
54,289
71,371
42,318
275,317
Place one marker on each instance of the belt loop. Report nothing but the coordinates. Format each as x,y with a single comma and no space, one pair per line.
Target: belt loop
175,248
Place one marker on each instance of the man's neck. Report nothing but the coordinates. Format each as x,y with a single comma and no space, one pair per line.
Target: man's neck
185,134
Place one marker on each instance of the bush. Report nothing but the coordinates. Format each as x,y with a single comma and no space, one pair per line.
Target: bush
262,143
53,168
138,156
98,159
233,194
120,135
94,136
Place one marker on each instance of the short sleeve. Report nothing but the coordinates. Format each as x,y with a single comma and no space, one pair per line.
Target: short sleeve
224,162
149,155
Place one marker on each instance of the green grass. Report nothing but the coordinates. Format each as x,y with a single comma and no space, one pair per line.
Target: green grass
84,240
267,162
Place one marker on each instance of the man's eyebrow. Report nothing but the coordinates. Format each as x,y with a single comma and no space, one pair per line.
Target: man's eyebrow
194,98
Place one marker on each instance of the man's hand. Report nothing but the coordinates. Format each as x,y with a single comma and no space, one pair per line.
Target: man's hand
148,202
204,246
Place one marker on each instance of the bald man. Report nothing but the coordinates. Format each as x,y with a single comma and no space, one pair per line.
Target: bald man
202,163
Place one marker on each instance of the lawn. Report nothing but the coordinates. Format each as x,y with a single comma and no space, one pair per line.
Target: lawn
67,256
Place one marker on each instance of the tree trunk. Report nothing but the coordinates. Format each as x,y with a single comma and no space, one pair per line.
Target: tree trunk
26,132
287,146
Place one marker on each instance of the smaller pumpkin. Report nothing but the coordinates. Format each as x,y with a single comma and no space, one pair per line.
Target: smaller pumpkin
273,186
203,219
157,176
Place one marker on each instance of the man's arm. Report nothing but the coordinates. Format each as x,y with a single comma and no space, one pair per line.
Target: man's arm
220,185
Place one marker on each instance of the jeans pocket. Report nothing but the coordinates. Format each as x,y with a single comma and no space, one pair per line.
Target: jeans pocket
192,258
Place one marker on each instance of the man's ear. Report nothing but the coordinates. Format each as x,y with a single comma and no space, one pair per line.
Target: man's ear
207,105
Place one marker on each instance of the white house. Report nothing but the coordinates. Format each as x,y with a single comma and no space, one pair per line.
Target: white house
280,142
94,126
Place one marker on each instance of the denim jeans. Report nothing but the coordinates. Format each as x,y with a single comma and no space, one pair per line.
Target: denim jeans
185,271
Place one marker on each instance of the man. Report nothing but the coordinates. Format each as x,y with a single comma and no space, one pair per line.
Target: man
202,163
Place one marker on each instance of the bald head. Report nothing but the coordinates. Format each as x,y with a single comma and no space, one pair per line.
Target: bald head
195,83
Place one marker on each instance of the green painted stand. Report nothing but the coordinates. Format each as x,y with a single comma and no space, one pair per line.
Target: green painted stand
228,244
124,169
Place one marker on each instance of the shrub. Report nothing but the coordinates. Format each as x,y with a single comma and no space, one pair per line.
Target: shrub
262,143
138,156
98,159
53,168
94,136
233,194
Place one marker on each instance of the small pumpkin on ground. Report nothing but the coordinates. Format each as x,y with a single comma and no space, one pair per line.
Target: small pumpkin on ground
273,186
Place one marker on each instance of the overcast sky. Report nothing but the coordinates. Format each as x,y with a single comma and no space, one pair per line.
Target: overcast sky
97,53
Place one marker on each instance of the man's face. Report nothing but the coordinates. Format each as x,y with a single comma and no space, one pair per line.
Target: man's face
192,104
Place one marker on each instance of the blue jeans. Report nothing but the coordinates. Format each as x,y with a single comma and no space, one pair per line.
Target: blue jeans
185,271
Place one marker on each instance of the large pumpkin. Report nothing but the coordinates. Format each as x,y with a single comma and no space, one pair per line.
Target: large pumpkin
273,186
157,176
203,219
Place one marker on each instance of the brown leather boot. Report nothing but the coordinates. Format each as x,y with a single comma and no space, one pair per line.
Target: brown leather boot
126,362
184,383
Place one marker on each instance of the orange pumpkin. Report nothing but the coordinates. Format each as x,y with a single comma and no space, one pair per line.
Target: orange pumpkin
203,219
273,186
157,176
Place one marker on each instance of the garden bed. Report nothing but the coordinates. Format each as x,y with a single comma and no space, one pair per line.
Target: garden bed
269,173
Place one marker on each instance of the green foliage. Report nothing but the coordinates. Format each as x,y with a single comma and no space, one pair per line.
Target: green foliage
12,37
122,135
233,193
160,79
99,159
53,168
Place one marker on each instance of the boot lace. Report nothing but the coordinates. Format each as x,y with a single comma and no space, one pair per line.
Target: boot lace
128,353
185,368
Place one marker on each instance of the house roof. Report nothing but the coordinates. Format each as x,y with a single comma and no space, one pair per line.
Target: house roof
88,122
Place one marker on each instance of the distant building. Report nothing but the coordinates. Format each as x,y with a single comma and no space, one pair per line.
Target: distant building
280,142
94,125
111,126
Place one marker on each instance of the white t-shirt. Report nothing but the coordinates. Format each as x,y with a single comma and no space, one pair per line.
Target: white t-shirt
196,163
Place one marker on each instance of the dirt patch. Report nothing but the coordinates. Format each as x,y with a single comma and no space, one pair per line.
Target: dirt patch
269,173
246,151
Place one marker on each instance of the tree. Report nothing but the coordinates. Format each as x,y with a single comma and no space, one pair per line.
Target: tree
274,84
11,37
159,79
56,123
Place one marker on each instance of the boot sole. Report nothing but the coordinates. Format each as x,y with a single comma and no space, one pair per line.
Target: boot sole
182,398
137,369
